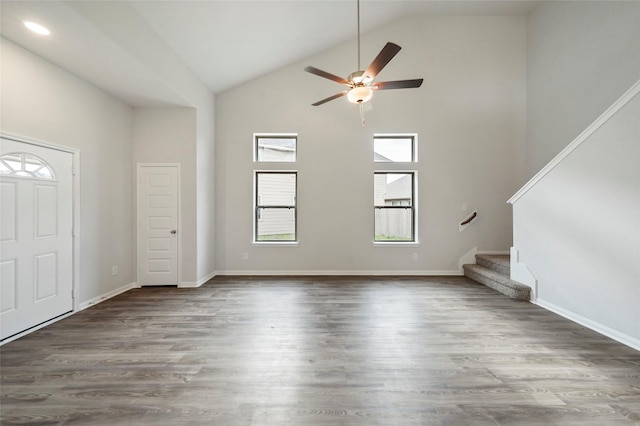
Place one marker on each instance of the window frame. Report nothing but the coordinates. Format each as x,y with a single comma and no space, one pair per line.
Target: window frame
413,207
258,206
257,136
414,146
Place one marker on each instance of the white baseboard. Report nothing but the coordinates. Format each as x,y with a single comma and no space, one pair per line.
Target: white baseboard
88,303
196,284
595,326
340,273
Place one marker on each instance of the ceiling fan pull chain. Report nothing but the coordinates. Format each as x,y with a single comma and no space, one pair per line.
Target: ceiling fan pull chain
362,114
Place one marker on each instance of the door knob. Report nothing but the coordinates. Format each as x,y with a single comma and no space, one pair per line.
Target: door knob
173,231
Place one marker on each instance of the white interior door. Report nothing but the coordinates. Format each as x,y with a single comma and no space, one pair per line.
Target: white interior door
36,242
158,224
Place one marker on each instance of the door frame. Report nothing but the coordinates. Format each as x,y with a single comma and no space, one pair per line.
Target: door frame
75,221
178,218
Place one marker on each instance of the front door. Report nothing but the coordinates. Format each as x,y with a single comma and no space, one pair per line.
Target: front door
158,224
36,242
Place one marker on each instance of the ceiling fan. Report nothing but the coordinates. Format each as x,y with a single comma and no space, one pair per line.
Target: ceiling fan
360,83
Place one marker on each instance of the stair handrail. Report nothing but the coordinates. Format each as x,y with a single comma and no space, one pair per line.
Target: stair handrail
601,120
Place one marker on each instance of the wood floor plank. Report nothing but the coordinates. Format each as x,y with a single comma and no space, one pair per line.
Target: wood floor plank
318,351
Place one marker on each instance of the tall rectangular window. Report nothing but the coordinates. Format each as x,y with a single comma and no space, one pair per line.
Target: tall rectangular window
394,148
275,206
394,206
275,147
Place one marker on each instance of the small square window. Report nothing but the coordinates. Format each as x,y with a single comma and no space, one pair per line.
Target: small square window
394,148
275,148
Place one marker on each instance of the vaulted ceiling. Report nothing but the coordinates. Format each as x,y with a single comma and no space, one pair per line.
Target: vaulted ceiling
222,42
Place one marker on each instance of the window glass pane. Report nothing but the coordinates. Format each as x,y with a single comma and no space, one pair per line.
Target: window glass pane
393,189
393,224
275,206
25,165
389,149
276,224
276,148
393,206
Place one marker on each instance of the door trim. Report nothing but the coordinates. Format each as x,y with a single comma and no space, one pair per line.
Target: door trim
178,218
75,221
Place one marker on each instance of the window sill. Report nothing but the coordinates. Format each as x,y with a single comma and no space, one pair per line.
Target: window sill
276,243
396,243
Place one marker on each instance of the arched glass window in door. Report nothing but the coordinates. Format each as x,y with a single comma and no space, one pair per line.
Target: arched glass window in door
21,164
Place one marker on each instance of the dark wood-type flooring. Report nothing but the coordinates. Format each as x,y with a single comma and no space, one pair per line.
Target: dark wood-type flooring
319,351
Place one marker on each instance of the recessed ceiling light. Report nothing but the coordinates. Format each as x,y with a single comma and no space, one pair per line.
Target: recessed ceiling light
37,28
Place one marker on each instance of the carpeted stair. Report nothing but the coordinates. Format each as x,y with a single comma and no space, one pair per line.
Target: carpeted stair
494,272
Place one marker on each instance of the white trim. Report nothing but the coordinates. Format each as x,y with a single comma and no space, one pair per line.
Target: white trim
283,243
414,136
521,273
395,243
196,284
108,295
268,135
254,219
415,203
617,105
340,273
595,326
75,207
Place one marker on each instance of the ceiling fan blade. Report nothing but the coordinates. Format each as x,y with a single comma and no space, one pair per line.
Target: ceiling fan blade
400,84
386,54
330,98
319,72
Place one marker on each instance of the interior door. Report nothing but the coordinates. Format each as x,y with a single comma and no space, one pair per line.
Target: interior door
36,242
158,224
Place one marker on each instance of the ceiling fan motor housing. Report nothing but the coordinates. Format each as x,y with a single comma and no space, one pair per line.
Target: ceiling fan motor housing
358,78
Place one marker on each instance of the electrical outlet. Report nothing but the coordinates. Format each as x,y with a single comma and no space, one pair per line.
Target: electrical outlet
245,256
114,270
415,256
464,207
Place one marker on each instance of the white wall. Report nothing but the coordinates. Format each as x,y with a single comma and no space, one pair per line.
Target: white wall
205,178
578,230
469,116
168,135
582,56
122,23
42,101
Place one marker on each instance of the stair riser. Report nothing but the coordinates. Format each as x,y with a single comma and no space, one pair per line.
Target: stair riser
522,294
503,269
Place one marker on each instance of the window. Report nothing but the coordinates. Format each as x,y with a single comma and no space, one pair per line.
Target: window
394,148
275,148
394,206
275,206
21,164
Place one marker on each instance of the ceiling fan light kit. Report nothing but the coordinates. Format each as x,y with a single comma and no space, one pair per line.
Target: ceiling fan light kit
360,83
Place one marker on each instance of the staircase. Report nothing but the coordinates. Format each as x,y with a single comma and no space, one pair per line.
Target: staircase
494,272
